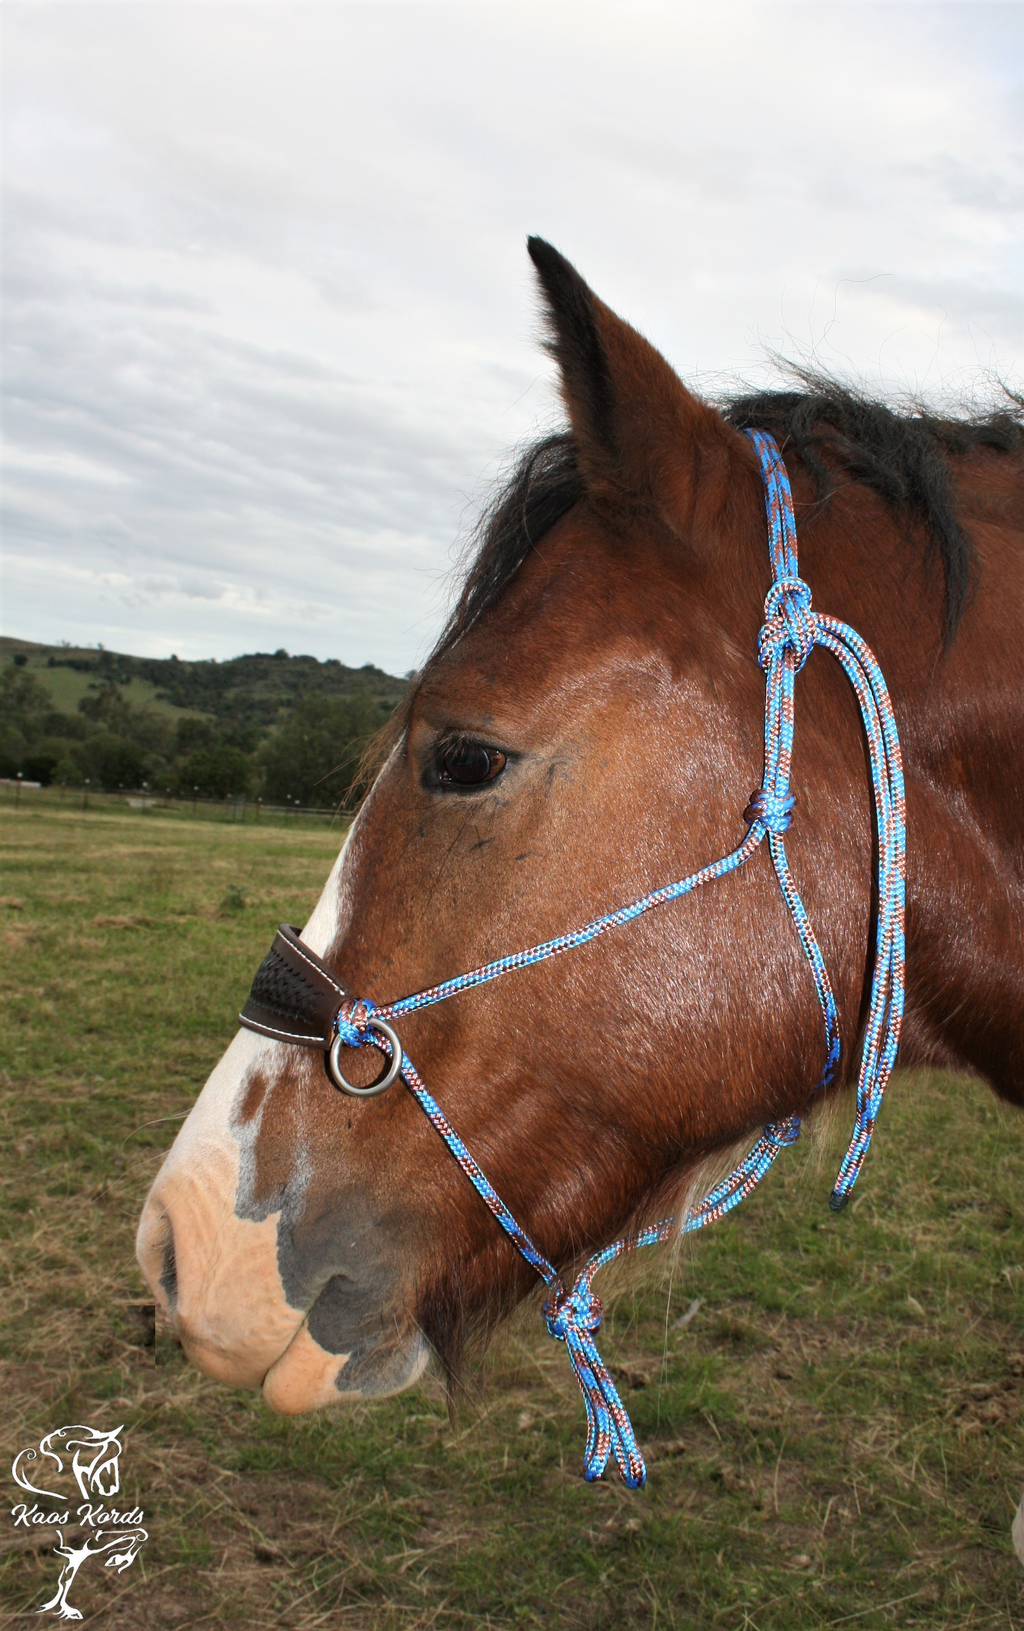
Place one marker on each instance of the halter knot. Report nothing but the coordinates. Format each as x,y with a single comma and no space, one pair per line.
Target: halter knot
783,1133
788,623
353,1018
573,1312
773,810
573,1317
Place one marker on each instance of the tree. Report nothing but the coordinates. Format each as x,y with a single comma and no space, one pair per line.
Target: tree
39,765
111,760
24,706
151,732
218,772
313,755
24,703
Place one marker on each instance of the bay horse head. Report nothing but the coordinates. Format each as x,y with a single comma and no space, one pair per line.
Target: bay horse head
589,726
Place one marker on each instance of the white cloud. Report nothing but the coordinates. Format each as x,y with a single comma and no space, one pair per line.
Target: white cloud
268,318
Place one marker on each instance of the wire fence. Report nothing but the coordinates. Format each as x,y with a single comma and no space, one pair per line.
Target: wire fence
28,796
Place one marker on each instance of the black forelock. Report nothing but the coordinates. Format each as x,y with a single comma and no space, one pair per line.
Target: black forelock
544,485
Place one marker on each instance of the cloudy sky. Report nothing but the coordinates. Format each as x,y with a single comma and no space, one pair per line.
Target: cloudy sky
268,323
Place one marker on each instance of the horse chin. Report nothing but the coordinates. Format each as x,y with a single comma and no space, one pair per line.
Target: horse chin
308,1377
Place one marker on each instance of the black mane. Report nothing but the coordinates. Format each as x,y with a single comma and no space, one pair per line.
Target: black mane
900,456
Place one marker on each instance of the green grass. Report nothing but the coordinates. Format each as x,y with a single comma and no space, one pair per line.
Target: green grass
833,1440
58,799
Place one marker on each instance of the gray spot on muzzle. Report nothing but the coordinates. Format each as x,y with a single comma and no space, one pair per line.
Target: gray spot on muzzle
339,1317
335,1259
380,1357
374,1369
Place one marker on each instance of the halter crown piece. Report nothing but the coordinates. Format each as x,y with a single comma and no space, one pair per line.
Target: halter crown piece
295,997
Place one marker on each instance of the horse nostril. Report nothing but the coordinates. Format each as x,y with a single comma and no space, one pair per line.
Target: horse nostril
169,1272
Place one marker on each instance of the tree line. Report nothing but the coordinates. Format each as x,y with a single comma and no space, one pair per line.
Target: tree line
265,733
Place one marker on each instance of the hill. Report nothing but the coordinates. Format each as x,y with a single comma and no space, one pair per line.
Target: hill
289,729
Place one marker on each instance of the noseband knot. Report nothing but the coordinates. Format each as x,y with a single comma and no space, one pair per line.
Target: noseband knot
773,810
788,623
359,1025
353,1021
573,1311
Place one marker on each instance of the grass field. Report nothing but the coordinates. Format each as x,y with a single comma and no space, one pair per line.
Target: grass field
67,686
58,799
834,1439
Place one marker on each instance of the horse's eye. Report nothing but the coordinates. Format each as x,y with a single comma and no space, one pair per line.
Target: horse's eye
467,764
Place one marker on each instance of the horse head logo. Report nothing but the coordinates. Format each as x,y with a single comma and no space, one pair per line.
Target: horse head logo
94,1464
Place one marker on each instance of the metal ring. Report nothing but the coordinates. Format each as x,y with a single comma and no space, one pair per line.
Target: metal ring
334,1071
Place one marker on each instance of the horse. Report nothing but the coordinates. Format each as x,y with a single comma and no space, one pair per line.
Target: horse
587,728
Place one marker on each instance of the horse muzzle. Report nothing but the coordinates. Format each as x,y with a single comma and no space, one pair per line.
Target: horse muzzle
306,1300
217,1280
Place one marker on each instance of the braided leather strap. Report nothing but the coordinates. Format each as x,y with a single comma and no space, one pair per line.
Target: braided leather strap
294,997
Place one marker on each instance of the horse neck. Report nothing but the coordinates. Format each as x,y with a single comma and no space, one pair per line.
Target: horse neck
959,711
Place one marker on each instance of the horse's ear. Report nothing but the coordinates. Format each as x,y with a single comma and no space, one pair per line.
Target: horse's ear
640,435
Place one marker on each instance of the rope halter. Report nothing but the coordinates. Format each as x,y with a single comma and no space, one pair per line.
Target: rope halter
296,998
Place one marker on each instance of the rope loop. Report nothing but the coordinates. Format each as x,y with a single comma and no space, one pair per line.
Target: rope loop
573,1317
788,623
353,1020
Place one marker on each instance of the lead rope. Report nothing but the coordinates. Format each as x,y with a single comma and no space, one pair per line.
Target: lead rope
790,632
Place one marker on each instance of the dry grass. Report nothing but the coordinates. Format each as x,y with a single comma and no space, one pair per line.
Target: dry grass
835,1438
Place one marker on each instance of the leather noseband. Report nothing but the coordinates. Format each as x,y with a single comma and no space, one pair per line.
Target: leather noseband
294,997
